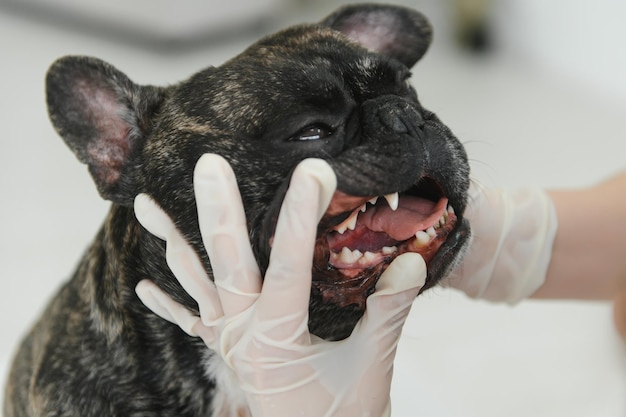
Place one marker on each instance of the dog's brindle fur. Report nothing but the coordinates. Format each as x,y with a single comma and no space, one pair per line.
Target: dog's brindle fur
97,351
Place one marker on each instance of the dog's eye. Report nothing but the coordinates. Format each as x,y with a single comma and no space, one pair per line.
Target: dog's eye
314,132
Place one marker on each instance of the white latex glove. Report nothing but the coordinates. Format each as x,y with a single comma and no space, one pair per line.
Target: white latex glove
512,236
260,328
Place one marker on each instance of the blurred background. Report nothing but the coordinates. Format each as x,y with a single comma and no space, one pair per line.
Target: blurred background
536,90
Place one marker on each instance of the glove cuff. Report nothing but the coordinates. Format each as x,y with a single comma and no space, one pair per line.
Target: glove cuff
512,236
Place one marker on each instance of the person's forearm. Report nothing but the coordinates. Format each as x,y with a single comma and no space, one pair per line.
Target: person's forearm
589,252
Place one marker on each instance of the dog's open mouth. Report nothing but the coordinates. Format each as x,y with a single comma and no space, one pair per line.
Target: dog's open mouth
360,236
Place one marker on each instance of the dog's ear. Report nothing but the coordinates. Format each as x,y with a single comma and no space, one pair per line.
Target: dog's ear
103,117
394,31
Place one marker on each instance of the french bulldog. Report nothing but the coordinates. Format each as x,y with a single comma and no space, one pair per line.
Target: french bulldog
337,90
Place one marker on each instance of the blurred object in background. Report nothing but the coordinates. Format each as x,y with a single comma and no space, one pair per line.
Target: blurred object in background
472,28
577,41
159,24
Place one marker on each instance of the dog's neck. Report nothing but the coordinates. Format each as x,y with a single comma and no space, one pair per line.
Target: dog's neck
111,270
122,254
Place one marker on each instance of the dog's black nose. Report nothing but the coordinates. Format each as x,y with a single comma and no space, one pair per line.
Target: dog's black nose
398,115
394,123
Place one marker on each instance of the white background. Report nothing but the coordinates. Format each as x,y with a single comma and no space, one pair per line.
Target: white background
545,109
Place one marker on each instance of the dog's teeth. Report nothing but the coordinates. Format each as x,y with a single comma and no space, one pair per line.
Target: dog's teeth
388,250
431,232
373,200
349,257
352,221
442,221
363,208
450,210
367,258
393,199
349,223
421,239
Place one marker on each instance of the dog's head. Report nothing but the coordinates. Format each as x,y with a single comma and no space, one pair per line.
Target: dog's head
337,90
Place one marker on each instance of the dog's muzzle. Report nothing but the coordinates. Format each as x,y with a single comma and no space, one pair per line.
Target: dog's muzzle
394,195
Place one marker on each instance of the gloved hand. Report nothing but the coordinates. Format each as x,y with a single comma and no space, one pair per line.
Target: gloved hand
260,328
512,236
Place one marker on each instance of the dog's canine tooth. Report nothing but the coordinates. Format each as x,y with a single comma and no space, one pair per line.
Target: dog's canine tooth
421,239
393,200
431,232
388,250
450,210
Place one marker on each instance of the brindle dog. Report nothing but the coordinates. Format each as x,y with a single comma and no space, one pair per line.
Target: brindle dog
336,90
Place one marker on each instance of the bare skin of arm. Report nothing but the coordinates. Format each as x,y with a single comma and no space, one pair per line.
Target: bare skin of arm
589,252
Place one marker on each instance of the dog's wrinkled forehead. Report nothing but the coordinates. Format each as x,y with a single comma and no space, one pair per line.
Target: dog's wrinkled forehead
318,53
306,65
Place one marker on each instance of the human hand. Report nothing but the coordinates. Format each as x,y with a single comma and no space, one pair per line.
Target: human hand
260,327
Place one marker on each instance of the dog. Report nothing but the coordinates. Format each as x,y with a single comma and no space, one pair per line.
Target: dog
336,90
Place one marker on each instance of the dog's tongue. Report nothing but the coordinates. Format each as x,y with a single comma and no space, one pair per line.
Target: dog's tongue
412,215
